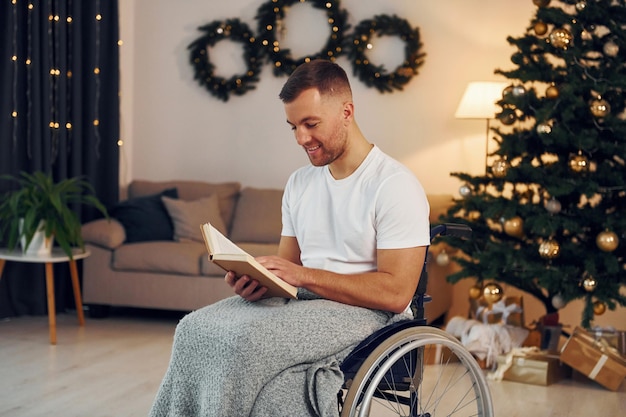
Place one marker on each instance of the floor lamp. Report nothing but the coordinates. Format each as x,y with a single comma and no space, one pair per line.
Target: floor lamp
479,102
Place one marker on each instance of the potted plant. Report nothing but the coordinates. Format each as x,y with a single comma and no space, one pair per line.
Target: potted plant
44,206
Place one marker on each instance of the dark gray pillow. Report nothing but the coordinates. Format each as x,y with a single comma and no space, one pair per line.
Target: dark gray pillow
145,218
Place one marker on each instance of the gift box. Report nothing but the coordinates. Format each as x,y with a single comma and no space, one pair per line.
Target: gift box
610,336
531,366
550,336
486,341
509,311
533,339
594,358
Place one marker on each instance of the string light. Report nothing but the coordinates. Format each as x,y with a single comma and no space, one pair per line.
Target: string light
29,77
14,113
53,95
68,77
59,121
120,141
96,122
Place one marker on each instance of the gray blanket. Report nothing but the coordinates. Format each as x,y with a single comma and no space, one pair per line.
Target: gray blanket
271,358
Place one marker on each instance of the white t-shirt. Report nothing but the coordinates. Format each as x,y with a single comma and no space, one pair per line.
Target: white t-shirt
339,224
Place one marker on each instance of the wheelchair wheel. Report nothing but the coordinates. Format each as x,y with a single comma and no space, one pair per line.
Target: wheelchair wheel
419,372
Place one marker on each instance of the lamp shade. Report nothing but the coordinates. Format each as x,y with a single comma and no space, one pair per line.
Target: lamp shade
479,100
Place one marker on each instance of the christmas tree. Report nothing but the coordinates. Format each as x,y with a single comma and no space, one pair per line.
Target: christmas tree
549,216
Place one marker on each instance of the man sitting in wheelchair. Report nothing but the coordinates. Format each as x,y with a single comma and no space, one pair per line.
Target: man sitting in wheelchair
354,236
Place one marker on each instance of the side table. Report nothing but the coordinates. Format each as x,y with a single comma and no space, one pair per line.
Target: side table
56,256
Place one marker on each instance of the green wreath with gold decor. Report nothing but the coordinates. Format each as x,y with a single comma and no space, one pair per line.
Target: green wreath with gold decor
204,70
269,17
375,75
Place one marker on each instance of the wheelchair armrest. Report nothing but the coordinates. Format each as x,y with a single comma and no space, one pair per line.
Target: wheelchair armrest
451,229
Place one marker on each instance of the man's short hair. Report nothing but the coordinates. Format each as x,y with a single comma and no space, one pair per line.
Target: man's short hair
325,76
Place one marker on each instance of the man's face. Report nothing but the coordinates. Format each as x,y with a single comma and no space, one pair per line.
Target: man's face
320,125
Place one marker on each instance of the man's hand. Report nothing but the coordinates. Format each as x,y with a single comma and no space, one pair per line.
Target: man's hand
286,270
245,287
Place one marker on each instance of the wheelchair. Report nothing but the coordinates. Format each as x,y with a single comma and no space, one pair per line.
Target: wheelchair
411,369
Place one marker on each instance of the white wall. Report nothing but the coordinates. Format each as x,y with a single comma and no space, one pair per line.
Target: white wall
173,128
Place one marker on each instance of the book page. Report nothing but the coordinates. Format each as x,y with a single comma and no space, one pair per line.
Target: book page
221,244
231,257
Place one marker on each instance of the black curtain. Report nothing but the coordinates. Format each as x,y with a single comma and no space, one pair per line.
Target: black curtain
59,113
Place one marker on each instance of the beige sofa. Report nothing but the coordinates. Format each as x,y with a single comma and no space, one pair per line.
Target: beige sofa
176,274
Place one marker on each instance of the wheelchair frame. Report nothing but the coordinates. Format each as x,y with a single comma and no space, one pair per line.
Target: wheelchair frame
413,370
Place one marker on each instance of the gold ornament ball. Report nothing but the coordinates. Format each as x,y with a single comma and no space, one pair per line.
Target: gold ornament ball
611,49
579,163
560,38
540,28
599,308
589,283
607,241
552,92
475,292
514,226
500,168
599,107
492,293
581,5
549,249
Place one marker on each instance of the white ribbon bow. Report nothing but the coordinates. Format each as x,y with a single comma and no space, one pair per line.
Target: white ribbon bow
499,307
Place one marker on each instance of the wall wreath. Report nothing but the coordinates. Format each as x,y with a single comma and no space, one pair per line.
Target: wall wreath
204,70
376,75
272,12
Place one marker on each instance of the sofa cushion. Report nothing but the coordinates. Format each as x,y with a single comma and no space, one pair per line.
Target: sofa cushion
258,216
181,258
192,190
145,218
187,216
108,233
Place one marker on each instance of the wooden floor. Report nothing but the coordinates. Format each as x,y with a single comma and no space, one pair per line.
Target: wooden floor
113,367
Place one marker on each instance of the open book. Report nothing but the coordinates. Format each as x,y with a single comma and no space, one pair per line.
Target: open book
230,257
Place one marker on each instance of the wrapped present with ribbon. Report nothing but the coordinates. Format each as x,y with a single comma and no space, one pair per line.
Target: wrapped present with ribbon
509,311
609,334
486,341
595,358
530,366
